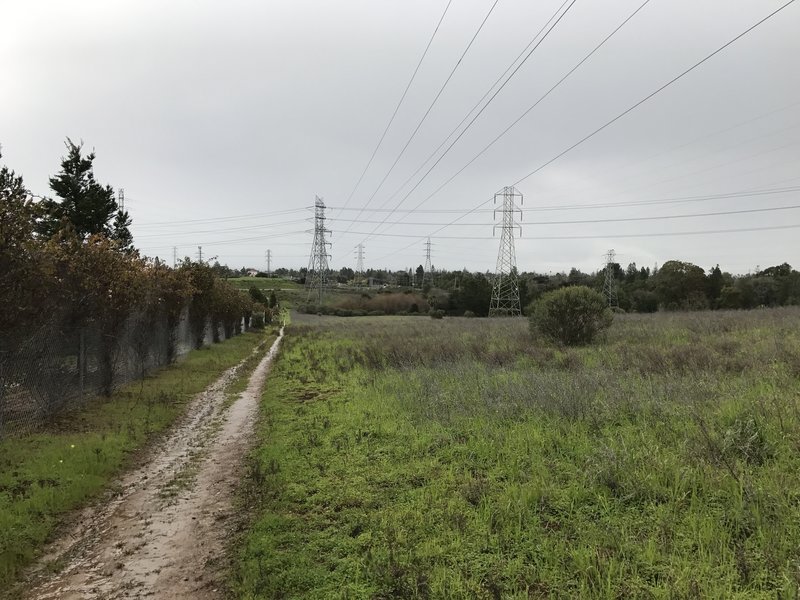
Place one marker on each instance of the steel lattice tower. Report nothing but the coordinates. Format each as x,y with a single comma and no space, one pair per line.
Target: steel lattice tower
610,284
427,276
505,291
317,275
360,264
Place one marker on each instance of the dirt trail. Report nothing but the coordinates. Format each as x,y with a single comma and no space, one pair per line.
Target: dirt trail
164,534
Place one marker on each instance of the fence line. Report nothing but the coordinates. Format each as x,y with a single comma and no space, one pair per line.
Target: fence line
58,367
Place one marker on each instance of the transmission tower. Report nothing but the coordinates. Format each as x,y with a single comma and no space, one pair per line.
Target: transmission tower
360,264
199,254
610,284
505,291
427,276
268,257
317,275
121,199
174,256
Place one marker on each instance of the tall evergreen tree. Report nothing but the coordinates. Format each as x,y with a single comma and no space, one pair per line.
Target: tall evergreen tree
84,205
120,231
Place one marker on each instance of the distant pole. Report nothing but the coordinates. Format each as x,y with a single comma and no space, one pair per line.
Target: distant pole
505,291
610,284
427,276
121,196
269,263
360,263
199,254
174,256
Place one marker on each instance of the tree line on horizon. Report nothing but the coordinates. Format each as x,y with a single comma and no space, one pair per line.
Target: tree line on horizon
674,286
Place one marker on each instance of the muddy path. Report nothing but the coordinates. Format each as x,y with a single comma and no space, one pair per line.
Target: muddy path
163,534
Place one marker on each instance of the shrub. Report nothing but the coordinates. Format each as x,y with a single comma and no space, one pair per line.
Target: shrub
257,320
437,314
469,314
572,315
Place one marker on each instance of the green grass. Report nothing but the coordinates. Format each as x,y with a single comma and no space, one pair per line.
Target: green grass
264,283
46,474
403,458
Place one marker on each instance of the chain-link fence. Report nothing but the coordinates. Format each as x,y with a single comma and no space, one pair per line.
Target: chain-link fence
58,366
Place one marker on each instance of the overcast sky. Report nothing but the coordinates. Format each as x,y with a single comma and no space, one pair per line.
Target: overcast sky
223,120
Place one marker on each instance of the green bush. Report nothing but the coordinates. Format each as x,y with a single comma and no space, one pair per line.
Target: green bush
437,314
469,314
572,316
257,320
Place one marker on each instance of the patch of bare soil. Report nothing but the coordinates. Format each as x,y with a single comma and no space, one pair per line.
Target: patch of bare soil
164,534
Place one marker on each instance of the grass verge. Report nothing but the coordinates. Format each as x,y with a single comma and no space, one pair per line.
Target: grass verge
462,459
46,474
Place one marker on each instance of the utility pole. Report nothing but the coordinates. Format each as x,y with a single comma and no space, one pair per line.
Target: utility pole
610,284
360,263
121,199
427,276
317,275
505,291
199,254
268,256
174,256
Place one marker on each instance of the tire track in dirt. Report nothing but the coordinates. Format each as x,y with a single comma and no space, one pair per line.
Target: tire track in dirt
164,533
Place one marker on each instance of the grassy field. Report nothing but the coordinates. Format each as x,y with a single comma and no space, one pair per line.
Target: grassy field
43,475
264,283
413,458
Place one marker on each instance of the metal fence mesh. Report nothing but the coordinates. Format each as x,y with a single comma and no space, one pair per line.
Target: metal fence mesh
58,367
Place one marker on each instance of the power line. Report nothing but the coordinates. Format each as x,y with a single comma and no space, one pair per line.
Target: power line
595,132
435,99
397,108
652,94
243,228
592,206
701,138
601,237
489,91
611,220
223,219
595,49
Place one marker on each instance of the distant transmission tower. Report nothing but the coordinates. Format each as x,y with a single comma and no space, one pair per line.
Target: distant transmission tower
427,276
268,257
360,264
317,275
610,284
505,291
199,254
121,199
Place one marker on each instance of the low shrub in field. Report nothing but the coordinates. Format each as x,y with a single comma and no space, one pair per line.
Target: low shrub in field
572,315
437,314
